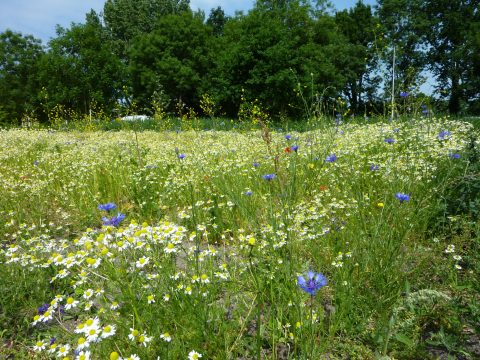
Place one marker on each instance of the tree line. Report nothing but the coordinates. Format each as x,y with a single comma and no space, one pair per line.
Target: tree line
293,58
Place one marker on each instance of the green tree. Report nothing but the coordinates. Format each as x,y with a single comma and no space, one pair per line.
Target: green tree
173,58
18,65
272,49
126,19
473,86
358,25
217,20
401,31
80,69
448,32
439,36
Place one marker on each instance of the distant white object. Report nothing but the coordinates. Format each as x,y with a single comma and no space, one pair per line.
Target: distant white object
135,118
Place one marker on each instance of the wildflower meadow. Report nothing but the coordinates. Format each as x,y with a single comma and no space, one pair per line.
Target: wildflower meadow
346,241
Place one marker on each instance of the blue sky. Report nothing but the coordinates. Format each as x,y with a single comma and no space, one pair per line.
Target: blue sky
39,17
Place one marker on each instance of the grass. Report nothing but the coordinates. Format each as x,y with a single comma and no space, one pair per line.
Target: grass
208,256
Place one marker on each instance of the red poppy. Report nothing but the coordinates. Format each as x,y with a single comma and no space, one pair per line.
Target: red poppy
288,150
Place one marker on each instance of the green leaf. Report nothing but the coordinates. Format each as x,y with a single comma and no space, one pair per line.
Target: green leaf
404,339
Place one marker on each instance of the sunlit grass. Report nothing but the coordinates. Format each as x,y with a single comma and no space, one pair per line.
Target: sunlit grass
219,225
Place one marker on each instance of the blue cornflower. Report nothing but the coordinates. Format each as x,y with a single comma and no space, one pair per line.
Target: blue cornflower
288,136
331,158
403,94
294,148
43,309
248,193
389,140
107,207
374,167
312,283
256,164
454,156
443,135
35,163
269,177
114,221
425,112
402,197
181,156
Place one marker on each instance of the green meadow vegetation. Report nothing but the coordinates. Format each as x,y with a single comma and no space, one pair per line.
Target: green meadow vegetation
345,240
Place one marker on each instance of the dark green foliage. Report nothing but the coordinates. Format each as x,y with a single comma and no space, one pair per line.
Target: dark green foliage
438,36
126,19
217,20
291,58
272,50
401,29
448,26
18,88
80,69
174,57
358,62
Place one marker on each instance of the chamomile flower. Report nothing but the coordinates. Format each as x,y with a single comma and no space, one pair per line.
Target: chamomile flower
47,315
82,343
166,337
70,303
36,319
88,305
108,331
92,324
133,357
83,355
93,334
144,339
151,298
40,346
170,248
193,355
142,262
53,348
450,249
114,305
87,294
204,279
133,334
63,350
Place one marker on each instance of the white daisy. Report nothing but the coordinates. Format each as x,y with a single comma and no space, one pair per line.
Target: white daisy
193,355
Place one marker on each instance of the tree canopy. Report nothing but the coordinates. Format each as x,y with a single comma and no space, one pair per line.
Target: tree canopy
287,56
